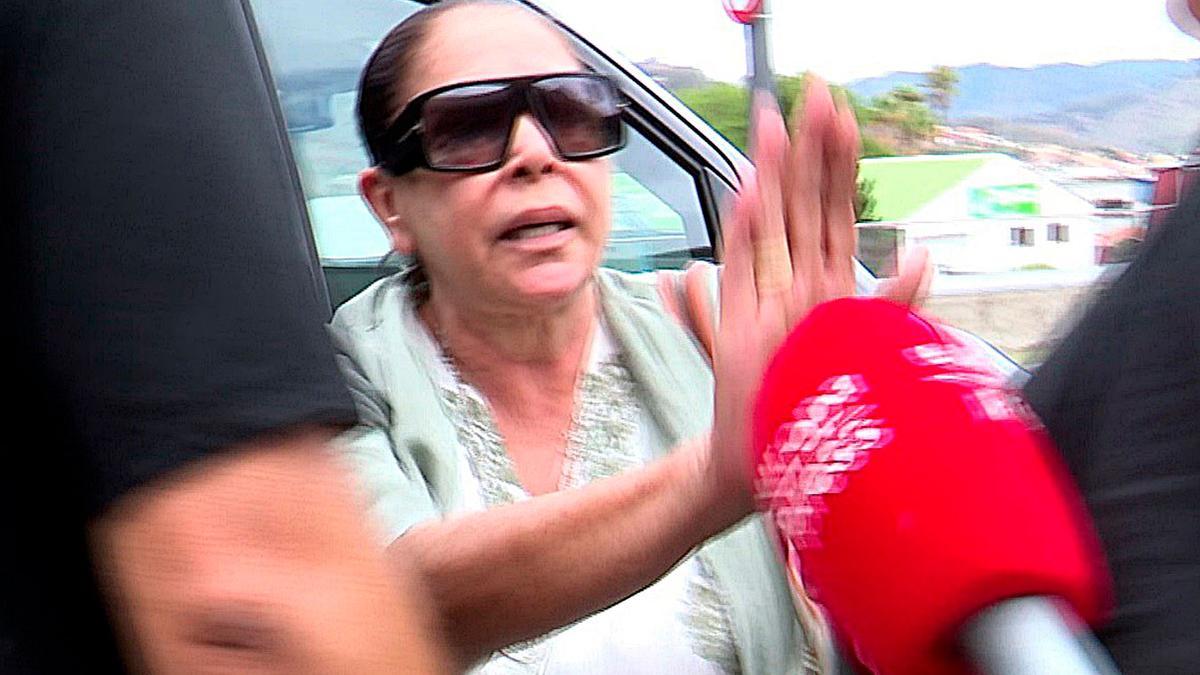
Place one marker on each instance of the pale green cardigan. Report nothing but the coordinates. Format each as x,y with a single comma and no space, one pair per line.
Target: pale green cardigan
403,451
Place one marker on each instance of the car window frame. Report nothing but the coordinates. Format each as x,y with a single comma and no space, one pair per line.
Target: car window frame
254,33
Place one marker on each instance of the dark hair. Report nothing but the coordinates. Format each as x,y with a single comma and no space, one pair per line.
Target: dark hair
379,89
386,71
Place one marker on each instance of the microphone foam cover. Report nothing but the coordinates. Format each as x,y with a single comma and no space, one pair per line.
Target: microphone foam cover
912,486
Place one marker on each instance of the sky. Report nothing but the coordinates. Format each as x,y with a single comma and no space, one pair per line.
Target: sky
844,40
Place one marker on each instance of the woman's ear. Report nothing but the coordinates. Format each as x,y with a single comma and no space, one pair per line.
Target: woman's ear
378,188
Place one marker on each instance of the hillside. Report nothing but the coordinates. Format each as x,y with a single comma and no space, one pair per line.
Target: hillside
1143,106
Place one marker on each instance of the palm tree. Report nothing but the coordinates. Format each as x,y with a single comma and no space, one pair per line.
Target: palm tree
904,112
942,85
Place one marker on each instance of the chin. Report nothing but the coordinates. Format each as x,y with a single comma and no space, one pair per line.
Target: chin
553,283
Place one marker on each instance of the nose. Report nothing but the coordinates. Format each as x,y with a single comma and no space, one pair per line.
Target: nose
531,152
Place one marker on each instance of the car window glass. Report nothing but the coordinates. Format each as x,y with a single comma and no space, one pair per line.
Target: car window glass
316,50
657,219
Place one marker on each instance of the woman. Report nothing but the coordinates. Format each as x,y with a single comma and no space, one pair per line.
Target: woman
538,435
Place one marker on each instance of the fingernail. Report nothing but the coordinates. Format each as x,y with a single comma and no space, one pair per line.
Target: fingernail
812,79
766,111
768,122
764,101
817,85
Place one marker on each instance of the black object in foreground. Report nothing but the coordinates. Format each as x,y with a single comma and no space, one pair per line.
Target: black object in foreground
1120,396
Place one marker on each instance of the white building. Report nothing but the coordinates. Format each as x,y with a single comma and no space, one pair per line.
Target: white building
979,213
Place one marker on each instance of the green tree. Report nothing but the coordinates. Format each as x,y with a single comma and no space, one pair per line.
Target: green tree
789,89
724,106
903,109
941,83
873,146
907,94
864,201
790,92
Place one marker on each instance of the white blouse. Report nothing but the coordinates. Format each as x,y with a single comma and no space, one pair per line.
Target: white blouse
680,623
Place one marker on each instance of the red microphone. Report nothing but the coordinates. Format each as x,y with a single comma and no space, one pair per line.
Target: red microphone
916,493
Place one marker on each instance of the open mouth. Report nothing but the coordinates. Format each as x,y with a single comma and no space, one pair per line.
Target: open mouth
535,230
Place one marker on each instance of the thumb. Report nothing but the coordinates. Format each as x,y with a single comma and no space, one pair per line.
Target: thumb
911,286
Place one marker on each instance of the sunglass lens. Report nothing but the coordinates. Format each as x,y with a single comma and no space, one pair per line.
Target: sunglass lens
467,128
582,113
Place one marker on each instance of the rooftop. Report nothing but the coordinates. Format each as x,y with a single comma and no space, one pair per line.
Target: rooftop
902,185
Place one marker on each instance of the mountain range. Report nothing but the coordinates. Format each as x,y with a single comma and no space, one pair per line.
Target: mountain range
1139,106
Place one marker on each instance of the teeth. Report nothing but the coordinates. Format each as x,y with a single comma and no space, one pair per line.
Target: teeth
534,231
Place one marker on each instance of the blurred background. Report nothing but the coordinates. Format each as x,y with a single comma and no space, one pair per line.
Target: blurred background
1030,145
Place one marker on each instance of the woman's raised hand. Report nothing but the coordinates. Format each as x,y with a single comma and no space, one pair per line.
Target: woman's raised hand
789,246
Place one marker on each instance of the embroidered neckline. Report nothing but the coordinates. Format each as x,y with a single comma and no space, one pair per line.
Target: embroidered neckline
604,420
597,444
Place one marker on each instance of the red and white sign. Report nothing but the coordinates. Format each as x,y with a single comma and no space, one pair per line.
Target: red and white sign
743,11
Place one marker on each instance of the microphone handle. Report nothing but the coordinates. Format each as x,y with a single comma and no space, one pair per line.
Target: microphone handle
1030,635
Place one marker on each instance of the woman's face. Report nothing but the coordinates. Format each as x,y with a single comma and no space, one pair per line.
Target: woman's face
483,238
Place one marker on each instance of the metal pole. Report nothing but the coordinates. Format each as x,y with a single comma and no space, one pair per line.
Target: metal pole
762,80
1031,635
761,75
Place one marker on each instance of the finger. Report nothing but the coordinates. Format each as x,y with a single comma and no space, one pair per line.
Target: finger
697,298
805,174
772,265
841,184
911,285
737,278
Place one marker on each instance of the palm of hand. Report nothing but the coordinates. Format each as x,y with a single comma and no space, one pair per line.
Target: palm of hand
789,246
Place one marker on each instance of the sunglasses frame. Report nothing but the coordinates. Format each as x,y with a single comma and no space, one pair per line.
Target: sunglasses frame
403,144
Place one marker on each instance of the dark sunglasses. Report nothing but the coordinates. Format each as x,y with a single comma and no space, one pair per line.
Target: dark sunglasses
467,126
